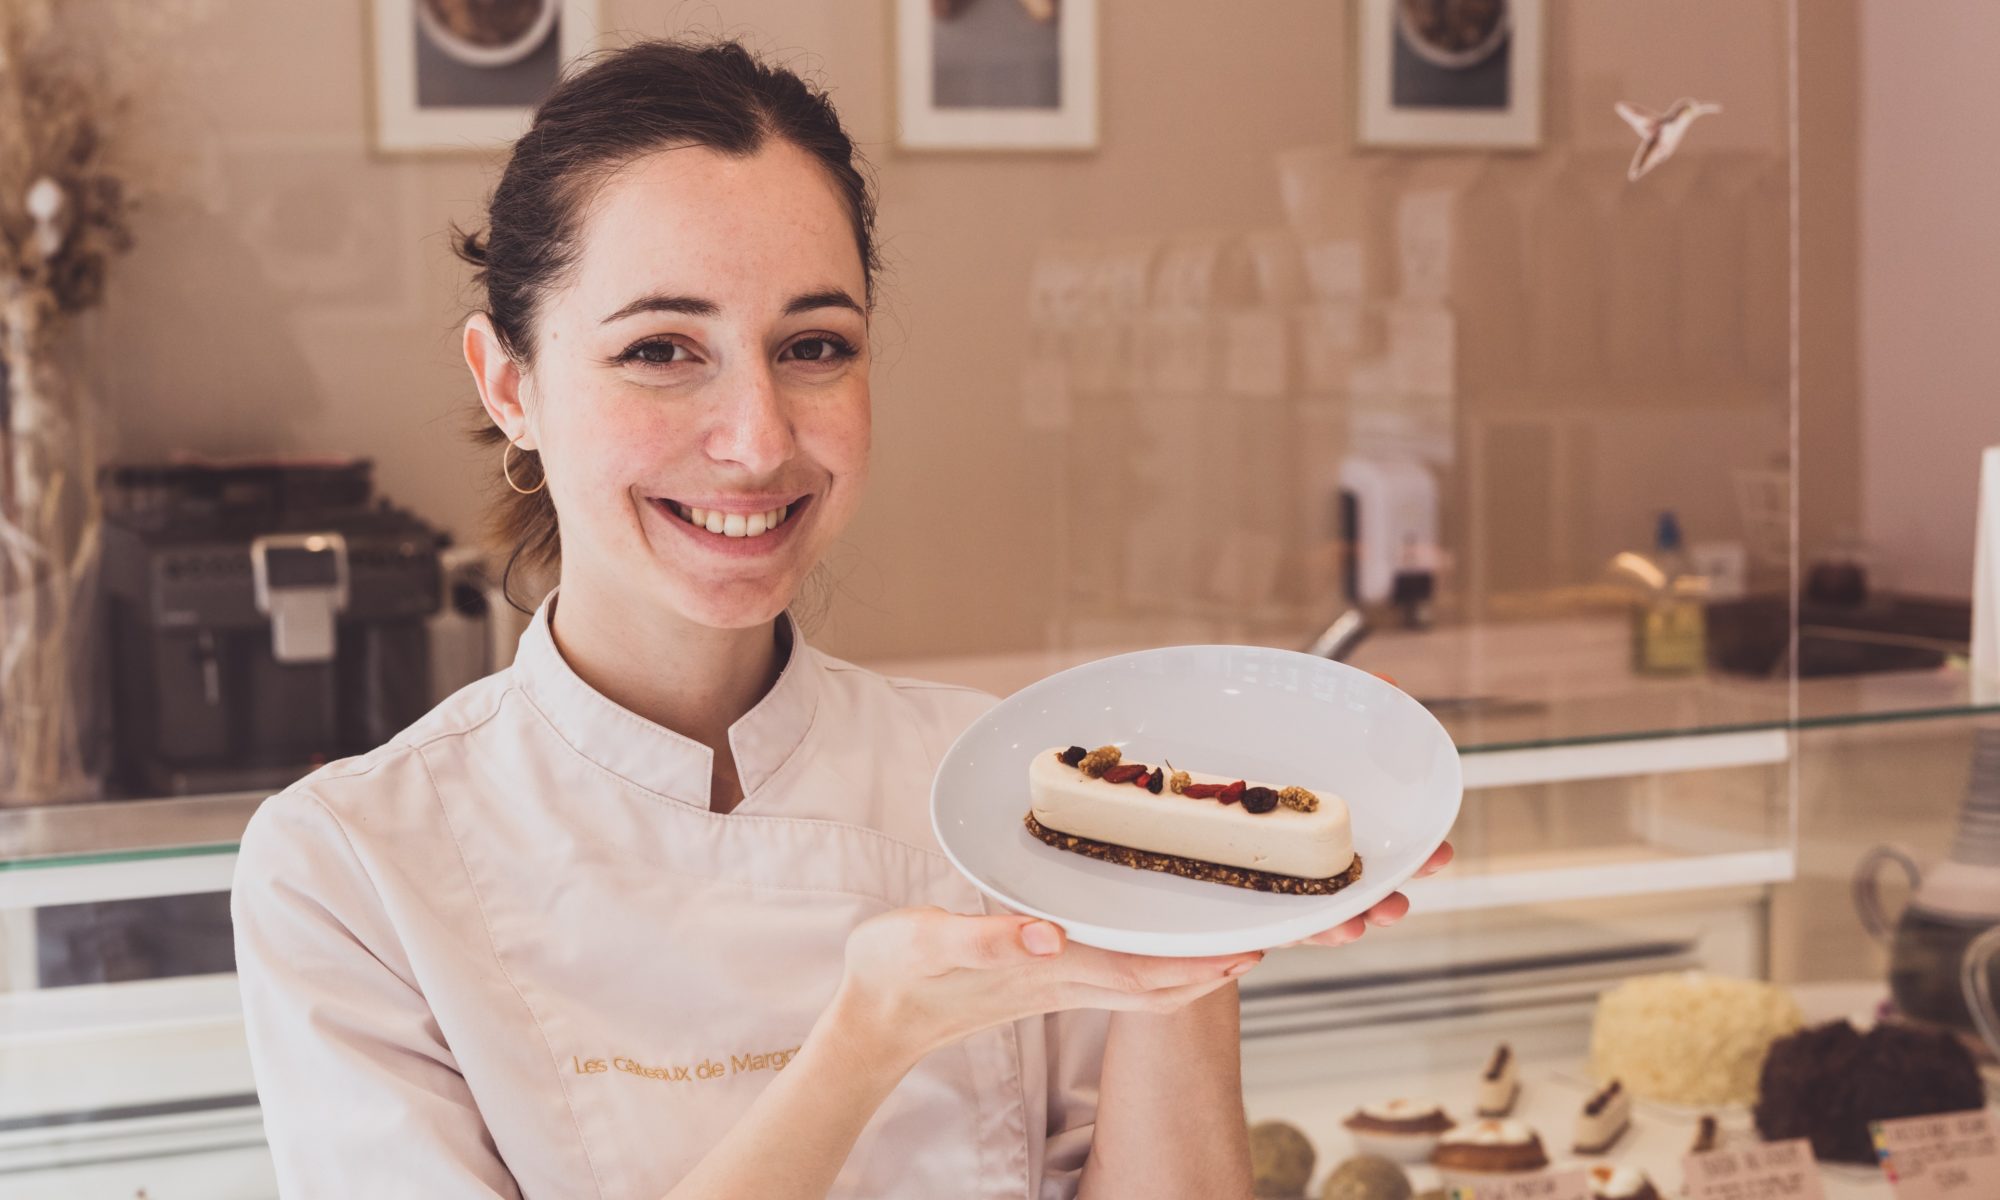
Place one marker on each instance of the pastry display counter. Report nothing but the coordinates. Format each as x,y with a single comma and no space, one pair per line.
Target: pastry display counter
1552,1093
1533,705
1442,1063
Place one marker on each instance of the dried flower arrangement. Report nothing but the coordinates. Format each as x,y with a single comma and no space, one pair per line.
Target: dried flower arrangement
63,217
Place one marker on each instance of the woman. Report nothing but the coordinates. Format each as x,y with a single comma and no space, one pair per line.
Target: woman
657,911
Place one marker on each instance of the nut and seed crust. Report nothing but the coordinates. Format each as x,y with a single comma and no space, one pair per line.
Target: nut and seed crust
1194,868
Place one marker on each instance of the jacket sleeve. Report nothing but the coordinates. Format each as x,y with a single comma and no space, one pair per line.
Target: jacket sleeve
1075,1040
361,1096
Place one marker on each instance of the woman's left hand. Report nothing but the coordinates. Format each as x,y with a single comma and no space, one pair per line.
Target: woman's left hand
1388,912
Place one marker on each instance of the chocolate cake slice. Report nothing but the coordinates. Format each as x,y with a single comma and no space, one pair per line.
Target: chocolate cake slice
1829,1082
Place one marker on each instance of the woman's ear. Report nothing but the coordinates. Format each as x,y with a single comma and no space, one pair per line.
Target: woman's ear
499,380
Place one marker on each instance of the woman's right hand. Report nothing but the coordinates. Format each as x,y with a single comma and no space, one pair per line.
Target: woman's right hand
918,979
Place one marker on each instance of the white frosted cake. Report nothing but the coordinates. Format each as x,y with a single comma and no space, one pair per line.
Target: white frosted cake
1209,827
1687,1037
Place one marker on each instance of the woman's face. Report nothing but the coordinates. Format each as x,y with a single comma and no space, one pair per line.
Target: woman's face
699,393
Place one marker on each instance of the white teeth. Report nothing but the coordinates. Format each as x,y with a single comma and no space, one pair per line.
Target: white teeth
734,525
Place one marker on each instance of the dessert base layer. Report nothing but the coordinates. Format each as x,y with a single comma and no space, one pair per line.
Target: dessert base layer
1194,868
1432,1122
1499,1159
1601,1142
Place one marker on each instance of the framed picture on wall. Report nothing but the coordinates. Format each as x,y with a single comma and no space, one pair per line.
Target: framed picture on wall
996,74
1449,73
465,75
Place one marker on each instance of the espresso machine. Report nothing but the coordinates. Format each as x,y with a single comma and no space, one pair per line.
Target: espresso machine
263,619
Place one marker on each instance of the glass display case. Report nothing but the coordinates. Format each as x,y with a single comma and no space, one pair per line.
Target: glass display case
1506,426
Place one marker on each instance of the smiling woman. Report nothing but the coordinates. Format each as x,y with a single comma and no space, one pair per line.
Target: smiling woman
578,169
672,834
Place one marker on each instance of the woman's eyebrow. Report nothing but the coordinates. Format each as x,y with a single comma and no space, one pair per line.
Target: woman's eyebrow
824,298
695,306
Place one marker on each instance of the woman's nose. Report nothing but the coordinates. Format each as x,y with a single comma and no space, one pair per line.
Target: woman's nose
752,427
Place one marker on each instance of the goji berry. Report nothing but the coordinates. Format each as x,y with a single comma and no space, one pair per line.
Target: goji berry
1124,772
1233,792
1203,791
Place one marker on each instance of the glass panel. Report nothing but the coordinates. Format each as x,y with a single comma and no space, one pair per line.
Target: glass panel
1461,392
123,831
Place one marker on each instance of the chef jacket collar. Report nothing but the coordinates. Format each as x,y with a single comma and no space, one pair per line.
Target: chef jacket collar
653,756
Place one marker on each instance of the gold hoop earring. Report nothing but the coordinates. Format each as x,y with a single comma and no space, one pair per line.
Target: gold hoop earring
506,473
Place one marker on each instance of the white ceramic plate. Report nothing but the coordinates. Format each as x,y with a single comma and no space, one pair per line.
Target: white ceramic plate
1272,715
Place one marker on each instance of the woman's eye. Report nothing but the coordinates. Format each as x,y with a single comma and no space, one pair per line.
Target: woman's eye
821,349
654,353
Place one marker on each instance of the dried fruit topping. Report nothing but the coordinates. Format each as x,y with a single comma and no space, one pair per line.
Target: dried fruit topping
1259,799
1154,781
1098,761
1124,773
1299,798
1202,791
1179,782
1072,756
1232,793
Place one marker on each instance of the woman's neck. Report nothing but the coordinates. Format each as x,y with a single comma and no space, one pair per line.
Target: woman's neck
692,679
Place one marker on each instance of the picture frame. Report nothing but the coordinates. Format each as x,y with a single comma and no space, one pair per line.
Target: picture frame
1001,75
1438,74
449,78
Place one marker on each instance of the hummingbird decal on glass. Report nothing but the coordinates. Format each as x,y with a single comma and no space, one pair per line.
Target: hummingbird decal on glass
1660,134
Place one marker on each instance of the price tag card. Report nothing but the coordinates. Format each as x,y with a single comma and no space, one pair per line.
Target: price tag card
1774,1171
1561,1185
1952,1156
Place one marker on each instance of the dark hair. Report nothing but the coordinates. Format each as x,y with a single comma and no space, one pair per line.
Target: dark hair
625,104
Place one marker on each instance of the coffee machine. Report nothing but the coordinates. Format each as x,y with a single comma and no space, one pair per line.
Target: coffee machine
263,618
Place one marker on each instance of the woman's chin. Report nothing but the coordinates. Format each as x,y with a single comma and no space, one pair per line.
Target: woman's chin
730,604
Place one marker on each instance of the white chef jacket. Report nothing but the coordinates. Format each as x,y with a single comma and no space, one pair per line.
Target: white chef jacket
513,953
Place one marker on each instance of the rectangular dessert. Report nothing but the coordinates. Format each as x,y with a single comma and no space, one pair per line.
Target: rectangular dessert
1257,849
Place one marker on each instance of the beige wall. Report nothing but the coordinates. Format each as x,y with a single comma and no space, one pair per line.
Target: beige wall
1829,53
1929,283
297,293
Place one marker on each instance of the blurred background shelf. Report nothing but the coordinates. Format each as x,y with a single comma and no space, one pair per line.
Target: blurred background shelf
1529,704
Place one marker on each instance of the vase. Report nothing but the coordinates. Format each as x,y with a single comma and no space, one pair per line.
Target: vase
1953,905
49,523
